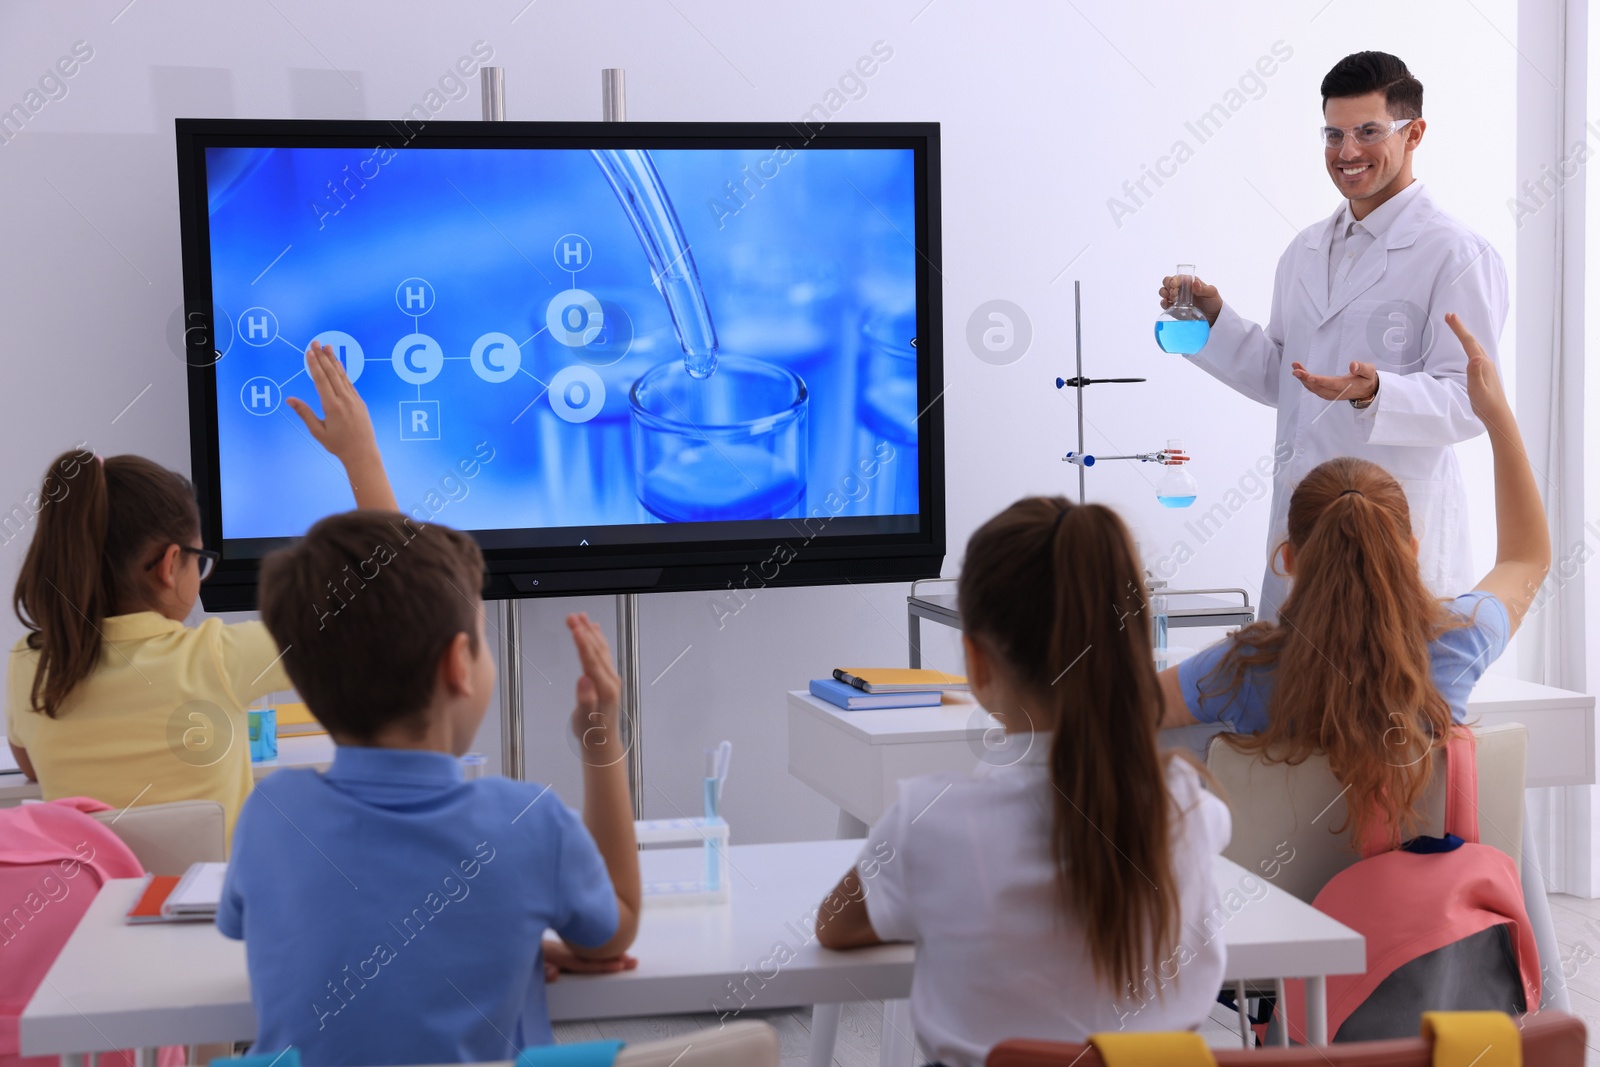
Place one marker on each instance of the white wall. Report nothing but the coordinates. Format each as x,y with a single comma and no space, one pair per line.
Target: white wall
1047,110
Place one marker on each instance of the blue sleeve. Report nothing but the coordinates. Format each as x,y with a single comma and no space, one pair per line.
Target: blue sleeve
586,903
230,909
1245,710
1460,656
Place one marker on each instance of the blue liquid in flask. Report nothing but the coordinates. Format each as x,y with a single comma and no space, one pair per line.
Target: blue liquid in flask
1182,329
1176,501
1180,337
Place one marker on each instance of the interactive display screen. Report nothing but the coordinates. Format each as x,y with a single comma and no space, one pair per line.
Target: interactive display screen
566,342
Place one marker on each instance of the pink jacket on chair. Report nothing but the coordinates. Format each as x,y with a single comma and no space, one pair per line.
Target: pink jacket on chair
53,860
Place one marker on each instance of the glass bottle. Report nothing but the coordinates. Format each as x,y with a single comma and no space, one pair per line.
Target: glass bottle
1182,329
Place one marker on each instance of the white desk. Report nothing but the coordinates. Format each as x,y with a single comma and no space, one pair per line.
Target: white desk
306,750
118,986
854,758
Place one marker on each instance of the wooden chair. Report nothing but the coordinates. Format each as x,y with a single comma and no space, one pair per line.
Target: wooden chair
1549,1039
741,1044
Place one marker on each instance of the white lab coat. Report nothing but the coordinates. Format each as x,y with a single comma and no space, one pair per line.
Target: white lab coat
1389,311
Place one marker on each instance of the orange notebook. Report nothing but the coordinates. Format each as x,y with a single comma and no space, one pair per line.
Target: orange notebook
900,680
193,897
148,907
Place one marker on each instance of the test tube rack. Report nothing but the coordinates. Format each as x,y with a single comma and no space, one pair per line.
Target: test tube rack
1078,457
706,838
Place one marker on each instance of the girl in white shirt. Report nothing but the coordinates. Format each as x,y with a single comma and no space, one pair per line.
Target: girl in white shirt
1065,886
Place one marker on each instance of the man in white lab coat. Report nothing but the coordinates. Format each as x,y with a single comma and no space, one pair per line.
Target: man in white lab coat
1356,356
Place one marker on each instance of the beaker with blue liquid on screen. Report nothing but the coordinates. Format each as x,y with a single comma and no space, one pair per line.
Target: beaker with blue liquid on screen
1183,329
726,447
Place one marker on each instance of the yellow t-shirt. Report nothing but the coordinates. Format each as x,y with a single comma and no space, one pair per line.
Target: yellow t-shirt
162,717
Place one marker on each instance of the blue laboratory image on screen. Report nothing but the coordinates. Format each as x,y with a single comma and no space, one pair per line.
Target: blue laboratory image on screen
554,338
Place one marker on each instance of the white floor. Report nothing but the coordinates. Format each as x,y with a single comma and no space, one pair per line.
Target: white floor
1577,931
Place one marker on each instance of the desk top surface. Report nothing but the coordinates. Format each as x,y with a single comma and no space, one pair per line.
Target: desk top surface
120,986
960,718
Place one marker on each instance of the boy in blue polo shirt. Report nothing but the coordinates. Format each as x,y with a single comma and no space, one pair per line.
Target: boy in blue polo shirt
392,912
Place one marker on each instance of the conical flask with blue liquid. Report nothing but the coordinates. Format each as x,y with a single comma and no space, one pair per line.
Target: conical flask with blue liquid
1182,329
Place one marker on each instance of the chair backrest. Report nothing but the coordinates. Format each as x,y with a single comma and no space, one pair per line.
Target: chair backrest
741,1044
1549,1039
167,838
1285,816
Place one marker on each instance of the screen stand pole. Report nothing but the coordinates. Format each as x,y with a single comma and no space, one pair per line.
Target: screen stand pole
614,108
493,82
632,718
511,689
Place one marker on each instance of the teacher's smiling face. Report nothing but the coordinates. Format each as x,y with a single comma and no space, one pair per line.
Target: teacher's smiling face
1367,149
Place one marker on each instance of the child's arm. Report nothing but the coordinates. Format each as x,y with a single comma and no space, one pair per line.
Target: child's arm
1174,711
24,764
1522,545
842,921
345,429
607,807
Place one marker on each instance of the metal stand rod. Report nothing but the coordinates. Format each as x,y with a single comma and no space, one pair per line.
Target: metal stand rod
614,108
492,81
1077,330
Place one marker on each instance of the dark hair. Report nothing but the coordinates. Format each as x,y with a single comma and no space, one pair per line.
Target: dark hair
98,521
1361,73
363,608
1056,592
1350,649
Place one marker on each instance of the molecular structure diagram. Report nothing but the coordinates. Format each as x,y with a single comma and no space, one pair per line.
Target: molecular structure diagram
573,317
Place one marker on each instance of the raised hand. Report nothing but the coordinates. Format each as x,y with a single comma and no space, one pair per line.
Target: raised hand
1484,388
345,428
596,717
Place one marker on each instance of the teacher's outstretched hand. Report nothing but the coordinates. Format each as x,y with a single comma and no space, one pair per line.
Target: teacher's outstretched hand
1360,385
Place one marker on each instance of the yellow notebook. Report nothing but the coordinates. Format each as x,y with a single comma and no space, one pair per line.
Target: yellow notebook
295,720
899,680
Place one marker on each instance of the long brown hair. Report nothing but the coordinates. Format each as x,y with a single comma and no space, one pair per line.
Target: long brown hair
1056,592
98,521
1350,652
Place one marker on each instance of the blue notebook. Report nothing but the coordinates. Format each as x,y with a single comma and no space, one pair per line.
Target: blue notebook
850,698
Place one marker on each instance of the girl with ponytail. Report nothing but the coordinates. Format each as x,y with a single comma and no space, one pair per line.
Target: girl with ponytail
109,694
1364,665
1065,886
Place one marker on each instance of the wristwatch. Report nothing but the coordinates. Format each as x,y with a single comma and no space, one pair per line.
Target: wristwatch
1362,405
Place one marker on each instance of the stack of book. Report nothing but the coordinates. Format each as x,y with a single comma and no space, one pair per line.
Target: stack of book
877,688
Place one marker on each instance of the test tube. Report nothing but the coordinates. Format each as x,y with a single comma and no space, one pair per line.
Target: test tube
713,808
